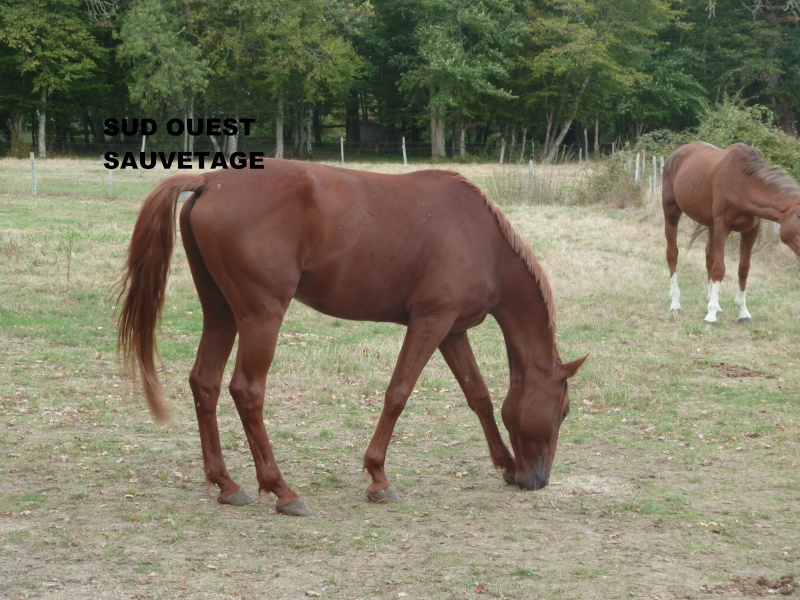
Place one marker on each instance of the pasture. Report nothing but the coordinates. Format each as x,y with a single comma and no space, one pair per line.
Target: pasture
676,474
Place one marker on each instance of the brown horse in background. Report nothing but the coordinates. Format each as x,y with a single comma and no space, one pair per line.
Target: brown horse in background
726,190
427,250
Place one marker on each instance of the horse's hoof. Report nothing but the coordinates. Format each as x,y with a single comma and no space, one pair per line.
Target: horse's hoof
295,508
384,496
239,498
746,320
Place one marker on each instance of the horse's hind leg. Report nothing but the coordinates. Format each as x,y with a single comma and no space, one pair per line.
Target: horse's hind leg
254,356
745,250
422,338
216,341
672,216
457,352
219,332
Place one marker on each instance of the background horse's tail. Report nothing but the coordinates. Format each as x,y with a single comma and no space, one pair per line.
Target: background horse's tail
145,280
698,231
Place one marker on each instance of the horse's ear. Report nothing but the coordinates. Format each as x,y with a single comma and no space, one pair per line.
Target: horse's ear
569,369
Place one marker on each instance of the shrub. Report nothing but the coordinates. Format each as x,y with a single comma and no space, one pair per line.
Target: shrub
612,183
732,122
663,141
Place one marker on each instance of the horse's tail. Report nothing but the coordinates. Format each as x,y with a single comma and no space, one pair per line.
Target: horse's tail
145,280
698,230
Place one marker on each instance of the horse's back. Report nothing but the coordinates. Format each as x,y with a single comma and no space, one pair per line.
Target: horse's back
694,173
352,244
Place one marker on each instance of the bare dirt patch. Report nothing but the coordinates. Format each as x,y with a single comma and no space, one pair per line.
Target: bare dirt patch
744,586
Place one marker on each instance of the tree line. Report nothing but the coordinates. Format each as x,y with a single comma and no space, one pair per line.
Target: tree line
457,77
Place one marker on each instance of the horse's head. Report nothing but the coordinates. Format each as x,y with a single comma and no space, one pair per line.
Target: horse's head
533,419
790,230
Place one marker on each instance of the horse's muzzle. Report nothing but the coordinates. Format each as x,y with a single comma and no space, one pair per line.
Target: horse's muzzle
532,480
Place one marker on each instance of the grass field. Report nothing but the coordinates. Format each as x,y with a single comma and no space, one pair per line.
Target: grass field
676,474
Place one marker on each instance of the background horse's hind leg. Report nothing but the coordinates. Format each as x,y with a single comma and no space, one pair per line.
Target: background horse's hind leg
745,250
422,338
715,266
457,352
672,216
253,358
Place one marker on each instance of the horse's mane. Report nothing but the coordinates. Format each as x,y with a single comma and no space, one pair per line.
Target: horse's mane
772,175
523,251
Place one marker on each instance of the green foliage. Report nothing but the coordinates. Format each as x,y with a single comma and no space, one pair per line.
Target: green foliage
484,67
732,122
663,141
50,42
301,49
166,66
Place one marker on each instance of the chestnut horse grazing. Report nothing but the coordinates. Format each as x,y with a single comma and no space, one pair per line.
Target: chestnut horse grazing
726,190
427,250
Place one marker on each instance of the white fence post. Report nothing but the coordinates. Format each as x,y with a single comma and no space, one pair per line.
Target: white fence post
405,159
33,174
111,183
341,145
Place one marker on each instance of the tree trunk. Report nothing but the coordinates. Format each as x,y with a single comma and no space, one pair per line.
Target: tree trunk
19,147
43,124
551,154
317,126
352,131
233,140
438,149
551,117
522,145
188,140
462,139
586,142
596,136
279,129
299,129
309,131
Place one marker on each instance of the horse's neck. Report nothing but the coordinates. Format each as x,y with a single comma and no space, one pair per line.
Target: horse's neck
768,203
524,318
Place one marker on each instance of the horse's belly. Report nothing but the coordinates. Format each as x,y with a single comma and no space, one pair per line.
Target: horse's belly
353,306
394,296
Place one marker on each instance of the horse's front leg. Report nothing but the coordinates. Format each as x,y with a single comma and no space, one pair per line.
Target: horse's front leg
745,250
458,355
421,340
672,216
715,265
